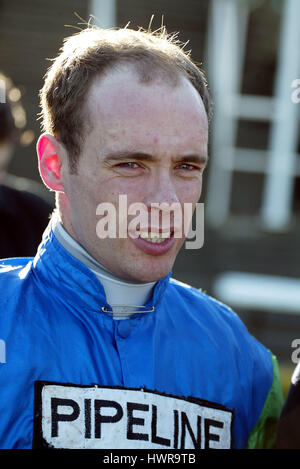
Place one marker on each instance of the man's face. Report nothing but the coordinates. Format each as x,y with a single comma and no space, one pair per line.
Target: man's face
148,142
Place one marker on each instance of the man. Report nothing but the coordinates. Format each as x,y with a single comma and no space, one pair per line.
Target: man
103,348
24,211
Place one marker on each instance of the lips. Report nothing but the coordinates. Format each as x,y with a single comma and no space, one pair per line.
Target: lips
155,237
153,242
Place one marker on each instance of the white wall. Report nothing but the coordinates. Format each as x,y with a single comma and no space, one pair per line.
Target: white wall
104,12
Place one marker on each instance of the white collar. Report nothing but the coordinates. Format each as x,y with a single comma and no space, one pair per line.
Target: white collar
117,290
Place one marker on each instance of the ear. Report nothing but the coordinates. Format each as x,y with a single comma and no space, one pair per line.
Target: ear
50,152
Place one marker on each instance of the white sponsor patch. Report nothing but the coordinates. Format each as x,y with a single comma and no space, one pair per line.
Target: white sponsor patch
71,416
2,351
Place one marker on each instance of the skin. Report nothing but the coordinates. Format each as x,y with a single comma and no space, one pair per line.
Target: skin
148,141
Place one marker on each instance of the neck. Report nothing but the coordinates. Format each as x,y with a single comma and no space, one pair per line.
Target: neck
119,292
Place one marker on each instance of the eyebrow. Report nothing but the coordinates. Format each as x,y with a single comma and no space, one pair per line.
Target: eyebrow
141,156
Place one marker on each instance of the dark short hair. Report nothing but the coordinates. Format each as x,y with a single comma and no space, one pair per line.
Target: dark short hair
89,54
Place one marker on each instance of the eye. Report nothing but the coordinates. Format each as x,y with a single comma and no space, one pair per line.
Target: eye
129,165
189,170
129,168
187,166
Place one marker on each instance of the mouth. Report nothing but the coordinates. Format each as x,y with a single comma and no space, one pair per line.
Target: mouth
155,237
154,242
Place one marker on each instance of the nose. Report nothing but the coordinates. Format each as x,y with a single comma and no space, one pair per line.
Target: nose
161,190
163,203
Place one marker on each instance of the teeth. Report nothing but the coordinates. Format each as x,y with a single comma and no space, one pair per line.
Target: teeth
154,237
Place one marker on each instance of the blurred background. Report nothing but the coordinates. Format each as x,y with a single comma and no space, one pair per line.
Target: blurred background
249,50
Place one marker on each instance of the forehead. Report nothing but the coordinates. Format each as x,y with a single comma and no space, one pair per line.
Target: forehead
120,107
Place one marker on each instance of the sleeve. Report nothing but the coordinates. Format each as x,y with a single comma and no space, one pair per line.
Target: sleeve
263,435
288,436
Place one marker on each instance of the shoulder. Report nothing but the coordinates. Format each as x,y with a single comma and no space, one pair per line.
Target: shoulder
13,272
218,319
228,339
201,301
14,276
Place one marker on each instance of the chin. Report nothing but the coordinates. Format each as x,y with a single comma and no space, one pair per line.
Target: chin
150,274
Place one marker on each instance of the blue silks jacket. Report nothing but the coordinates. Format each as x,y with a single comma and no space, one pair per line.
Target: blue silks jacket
186,375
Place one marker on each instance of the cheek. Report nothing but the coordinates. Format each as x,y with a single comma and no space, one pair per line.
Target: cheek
88,193
83,201
190,191
133,188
